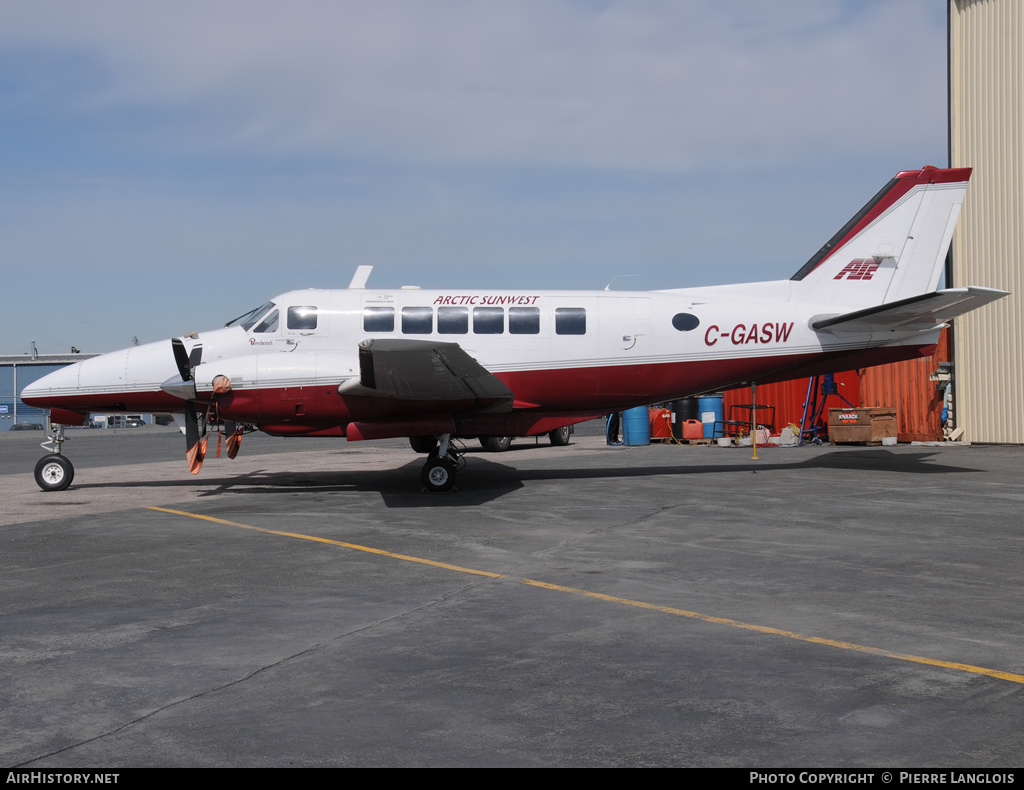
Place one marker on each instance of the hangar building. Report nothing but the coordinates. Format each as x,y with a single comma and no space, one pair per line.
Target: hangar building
986,132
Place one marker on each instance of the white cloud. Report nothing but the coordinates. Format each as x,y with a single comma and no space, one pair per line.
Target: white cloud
652,85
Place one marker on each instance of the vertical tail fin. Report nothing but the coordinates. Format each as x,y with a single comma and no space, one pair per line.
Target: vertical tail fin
894,247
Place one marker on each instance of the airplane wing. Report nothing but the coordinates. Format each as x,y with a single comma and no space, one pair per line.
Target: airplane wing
918,313
423,370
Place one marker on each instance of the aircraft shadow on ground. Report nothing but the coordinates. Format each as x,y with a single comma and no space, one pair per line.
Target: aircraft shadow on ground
486,480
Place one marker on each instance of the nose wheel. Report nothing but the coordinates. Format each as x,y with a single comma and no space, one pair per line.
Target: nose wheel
54,472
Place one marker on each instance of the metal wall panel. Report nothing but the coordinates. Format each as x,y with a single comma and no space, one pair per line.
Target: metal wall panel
986,105
6,382
25,374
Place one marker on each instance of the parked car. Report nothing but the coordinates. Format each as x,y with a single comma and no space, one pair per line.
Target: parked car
499,444
26,426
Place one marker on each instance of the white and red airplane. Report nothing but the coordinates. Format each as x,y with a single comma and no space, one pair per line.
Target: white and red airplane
433,365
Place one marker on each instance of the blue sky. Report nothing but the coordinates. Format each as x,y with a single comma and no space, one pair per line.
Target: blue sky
164,167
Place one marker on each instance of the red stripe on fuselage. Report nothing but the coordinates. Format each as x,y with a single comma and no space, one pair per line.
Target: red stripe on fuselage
135,402
594,390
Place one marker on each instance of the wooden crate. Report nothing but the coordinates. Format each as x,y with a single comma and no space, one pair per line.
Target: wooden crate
866,425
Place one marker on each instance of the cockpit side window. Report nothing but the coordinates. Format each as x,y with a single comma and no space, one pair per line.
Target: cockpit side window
248,320
268,324
302,318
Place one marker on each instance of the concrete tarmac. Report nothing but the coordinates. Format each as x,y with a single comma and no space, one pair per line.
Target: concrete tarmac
307,604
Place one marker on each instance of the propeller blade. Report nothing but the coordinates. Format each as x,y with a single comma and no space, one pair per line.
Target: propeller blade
181,359
186,362
196,463
195,439
234,434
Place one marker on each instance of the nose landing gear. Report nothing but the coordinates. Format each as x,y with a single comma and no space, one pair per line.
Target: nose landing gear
54,472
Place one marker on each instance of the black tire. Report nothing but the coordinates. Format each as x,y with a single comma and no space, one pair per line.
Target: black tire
496,444
560,436
54,472
438,475
423,444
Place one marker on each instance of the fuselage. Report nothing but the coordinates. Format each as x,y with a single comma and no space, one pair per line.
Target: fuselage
566,355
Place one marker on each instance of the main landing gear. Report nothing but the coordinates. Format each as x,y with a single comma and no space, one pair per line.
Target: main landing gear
54,472
438,473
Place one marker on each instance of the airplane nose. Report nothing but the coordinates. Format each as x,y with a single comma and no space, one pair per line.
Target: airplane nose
61,382
126,380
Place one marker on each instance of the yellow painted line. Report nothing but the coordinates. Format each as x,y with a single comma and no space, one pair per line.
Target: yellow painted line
763,629
707,618
355,546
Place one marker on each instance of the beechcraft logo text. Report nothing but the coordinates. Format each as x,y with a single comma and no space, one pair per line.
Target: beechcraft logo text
859,269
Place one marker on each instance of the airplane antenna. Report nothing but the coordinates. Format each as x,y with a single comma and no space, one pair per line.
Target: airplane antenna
360,277
616,277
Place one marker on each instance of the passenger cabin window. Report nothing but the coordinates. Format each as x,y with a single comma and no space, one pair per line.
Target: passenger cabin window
453,320
302,318
488,320
268,324
524,320
378,319
417,320
570,321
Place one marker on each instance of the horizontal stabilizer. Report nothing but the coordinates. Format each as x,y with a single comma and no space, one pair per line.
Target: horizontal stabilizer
918,313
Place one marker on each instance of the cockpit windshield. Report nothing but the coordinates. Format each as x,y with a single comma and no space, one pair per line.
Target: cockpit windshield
248,320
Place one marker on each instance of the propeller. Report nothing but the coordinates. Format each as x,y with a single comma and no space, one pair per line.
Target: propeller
184,387
195,433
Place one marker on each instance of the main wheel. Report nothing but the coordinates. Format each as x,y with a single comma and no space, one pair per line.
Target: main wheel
54,472
560,436
438,475
423,444
496,444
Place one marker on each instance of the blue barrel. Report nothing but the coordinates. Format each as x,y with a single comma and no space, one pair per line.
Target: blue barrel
636,426
712,410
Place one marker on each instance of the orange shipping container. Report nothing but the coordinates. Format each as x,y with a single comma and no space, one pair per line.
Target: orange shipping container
905,385
788,399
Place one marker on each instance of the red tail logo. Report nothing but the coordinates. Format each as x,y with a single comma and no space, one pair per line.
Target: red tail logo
858,269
